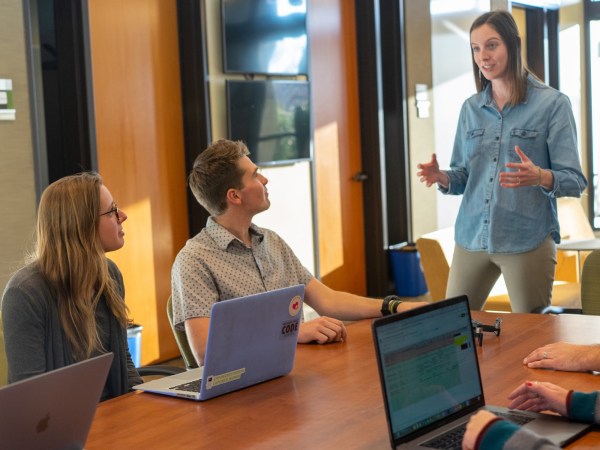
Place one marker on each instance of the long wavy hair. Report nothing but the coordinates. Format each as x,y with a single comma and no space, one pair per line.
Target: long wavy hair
517,70
71,259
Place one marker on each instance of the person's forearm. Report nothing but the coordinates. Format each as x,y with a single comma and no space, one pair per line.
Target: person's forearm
546,179
354,307
590,357
443,179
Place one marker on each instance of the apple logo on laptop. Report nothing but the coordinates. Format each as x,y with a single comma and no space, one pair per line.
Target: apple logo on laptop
43,424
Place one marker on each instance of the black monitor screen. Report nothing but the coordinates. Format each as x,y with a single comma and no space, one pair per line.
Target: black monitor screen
264,36
271,117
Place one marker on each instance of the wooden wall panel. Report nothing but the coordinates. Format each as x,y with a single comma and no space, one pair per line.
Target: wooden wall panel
337,144
136,83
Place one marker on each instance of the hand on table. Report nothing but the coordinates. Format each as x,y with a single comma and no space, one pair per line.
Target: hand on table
322,330
565,356
539,396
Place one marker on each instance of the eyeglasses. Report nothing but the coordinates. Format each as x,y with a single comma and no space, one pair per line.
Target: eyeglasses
114,210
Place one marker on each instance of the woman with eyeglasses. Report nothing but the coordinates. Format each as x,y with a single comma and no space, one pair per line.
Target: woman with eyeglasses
67,304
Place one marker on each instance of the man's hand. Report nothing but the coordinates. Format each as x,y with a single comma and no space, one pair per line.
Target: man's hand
565,356
322,330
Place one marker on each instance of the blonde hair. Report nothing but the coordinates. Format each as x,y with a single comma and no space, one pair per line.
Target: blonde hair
71,259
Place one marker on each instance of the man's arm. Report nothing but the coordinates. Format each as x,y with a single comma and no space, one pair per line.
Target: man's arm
196,330
345,306
565,356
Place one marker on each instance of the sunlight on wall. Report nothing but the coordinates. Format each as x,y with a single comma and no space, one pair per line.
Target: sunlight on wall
331,246
140,282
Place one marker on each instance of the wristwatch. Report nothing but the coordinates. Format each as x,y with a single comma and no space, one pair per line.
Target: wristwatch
390,305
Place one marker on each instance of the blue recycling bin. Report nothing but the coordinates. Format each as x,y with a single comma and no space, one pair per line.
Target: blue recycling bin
405,263
134,342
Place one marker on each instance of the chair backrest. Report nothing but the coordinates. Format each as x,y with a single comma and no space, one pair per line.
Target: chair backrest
181,339
435,266
3,362
574,225
590,284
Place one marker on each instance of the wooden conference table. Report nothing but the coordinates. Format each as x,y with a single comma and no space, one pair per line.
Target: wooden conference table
332,398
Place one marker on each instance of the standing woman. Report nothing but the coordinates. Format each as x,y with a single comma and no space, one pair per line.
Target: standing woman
515,152
67,304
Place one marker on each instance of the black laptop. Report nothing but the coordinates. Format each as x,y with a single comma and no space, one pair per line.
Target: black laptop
431,382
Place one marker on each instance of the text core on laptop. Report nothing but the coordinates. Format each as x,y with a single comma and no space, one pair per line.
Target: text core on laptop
431,381
250,340
53,410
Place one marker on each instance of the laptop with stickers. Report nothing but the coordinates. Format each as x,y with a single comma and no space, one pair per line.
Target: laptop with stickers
431,381
53,410
250,340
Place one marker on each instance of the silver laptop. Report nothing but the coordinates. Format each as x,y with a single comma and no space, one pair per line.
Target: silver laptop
431,382
53,410
250,340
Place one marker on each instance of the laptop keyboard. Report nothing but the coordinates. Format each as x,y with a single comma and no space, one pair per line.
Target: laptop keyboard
452,440
190,386
519,419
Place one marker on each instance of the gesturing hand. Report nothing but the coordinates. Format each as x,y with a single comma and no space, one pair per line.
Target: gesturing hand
430,173
527,173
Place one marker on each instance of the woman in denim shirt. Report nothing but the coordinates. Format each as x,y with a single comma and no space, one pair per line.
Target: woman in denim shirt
515,152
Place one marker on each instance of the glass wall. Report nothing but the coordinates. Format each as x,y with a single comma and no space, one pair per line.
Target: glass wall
592,22
594,92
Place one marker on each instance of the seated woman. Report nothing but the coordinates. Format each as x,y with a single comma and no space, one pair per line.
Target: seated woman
486,431
66,304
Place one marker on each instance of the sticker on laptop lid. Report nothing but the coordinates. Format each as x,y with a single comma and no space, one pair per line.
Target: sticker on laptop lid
295,305
290,328
227,377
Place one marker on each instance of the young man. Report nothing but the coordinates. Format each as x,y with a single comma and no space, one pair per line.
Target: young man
231,257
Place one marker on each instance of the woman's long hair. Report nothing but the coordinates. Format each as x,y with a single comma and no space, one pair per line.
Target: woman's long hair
72,260
517,70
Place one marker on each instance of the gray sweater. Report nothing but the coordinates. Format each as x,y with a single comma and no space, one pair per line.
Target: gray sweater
34,338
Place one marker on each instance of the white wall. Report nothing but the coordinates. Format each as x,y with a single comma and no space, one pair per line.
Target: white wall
452,84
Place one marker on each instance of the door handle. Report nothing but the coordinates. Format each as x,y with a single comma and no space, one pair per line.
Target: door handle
360,177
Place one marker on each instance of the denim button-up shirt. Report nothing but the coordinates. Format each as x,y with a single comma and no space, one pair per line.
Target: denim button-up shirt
512,220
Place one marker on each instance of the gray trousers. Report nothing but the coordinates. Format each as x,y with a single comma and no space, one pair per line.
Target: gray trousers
528,276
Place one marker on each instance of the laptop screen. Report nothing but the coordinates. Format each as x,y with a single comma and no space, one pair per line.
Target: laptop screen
428,366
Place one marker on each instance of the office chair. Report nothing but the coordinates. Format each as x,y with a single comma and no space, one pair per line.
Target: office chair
181,339
436,250
590,284
3,363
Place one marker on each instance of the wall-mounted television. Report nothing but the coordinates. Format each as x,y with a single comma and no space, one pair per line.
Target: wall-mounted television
264,37
272,117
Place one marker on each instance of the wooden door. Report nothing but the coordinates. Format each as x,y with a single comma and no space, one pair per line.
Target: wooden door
337,144
137,103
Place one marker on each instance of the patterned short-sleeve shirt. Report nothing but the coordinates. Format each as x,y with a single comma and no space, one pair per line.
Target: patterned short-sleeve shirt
214,265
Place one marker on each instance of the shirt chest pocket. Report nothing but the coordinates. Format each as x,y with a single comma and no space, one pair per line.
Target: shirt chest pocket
527,140
473,141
